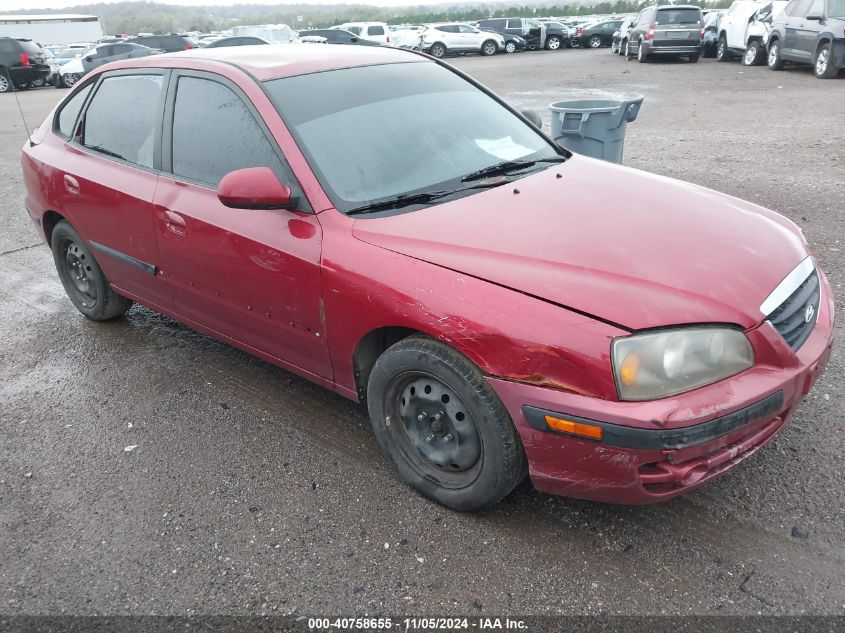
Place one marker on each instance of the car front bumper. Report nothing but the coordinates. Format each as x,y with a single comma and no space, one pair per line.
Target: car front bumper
655,450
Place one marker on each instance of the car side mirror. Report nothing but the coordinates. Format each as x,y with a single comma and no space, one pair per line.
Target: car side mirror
534,117
254,188
353,39
815,18
89,59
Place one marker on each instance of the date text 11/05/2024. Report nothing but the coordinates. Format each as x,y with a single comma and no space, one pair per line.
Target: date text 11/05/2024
417,624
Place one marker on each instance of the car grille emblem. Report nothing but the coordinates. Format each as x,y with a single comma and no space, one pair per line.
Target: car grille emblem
809,313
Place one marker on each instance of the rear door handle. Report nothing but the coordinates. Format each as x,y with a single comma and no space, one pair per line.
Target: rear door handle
71,185
175,222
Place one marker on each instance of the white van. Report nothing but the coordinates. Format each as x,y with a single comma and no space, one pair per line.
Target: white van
376,31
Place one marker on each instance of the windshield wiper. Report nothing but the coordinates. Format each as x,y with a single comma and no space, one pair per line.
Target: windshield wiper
407,199
105,151
508,166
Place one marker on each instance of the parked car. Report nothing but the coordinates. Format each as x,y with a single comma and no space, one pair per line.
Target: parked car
710,39
639,358
533,31
408,36
557,35
666,31
733,27
442,39
53,63
165,43
339,36
513,43
619,43
239,40
74,70
376,31
810,32
758,31
22,64
597,34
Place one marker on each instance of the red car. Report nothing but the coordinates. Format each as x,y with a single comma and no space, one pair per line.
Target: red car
376,221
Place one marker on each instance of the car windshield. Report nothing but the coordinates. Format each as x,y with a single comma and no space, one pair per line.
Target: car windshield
678,16
376,132
836,9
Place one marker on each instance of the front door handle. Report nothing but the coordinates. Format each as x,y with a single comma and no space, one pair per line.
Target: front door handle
71,185
175,223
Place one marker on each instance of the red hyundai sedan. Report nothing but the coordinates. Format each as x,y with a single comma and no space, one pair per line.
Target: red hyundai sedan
376,221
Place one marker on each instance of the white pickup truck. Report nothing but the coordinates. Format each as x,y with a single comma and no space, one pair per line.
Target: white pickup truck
744,30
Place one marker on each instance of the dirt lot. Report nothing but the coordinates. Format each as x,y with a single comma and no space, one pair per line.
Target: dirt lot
254,491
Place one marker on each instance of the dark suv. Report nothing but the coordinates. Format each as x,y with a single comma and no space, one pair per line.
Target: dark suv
165,43
597,34
671,31
22,64
810,32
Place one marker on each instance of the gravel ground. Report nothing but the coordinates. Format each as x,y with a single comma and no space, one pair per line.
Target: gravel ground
252,491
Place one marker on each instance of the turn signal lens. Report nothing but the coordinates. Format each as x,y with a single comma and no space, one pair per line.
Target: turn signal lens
574,428
628,371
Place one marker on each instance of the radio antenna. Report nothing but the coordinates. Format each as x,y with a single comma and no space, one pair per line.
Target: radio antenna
23,118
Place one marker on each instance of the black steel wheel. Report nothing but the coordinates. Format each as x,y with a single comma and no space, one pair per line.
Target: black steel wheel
443,426
82,278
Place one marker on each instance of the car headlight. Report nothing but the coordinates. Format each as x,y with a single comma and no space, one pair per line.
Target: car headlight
665,362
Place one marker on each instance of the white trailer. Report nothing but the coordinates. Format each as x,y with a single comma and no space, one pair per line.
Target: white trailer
52,29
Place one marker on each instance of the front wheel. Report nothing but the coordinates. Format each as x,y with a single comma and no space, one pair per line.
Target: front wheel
82,278
443,426
754,54
69,80
510,47
824,67
722,52
437,50
553,43
489,48
595,41
775,61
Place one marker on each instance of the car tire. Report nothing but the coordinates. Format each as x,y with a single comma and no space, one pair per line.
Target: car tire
69,80
694,58
614,47
642,54
823,66
6,84
595,42
443,426
709,52
489,47
623,50
510,47
722,52
553,43
437,50
773,59
38,82
754,54
83,279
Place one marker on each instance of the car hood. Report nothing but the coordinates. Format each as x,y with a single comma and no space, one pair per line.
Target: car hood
628,247
73,66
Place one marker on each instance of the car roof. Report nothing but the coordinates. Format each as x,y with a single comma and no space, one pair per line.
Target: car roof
278,60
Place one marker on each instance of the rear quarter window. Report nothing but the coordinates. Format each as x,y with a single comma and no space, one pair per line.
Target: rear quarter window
70,111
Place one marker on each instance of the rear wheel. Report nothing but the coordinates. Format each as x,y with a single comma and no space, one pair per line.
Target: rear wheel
82,278
38,82
442,425
774,60
595,41
642,53
722,52
437,50
553,43
824,67
754,54
694,58
5,82
624,49
614,47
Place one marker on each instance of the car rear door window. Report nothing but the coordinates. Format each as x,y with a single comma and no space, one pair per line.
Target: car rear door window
215,133
375,30
70,111
122,118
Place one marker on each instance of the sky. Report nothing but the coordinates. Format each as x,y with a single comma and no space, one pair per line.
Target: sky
11,5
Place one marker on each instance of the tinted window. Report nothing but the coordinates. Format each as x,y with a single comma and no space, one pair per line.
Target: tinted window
121,118
836,9
375,30
120,49
31,48
8,46
678,16
447,28
514,24
354,29
69,112
214,133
